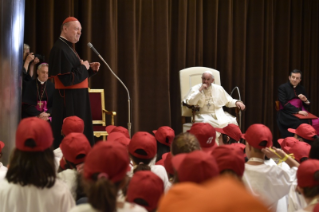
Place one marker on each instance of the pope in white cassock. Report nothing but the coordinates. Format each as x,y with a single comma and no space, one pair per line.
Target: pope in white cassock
211,98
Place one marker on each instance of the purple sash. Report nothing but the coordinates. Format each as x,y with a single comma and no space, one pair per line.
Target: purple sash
298,104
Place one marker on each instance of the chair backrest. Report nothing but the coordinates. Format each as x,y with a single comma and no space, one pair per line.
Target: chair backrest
97,105
189,77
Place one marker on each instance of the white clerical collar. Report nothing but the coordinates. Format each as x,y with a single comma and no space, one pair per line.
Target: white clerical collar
41,81
63,37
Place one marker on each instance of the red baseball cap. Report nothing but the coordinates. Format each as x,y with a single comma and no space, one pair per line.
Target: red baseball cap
257,133
111,128
316,208
230,157
147,186
287,143
168,163
161,161
232,130
74,145
119,137
241,146
1,146
109,158
305,131
72,124
196,166
143,141
36,129
300,150
69,19
205,134
306,172
164,135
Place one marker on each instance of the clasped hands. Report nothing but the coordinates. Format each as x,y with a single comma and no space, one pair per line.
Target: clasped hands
45,116
95,66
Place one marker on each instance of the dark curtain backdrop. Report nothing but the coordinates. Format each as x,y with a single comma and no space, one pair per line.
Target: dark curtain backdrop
254,44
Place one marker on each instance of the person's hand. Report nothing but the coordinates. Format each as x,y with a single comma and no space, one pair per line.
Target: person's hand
240,105
29,58
204,86
95,66
302,97
86,64
44,116
274,153
304,113
36,61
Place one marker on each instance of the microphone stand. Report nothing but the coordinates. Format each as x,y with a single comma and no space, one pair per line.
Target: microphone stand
129,125
239,113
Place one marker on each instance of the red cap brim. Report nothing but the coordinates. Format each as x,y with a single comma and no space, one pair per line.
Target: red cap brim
280,141
220,130
292,130
154,131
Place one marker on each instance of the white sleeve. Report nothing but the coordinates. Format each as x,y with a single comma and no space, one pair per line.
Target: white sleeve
195,97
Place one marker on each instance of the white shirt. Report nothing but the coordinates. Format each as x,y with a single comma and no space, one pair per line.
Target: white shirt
57,156
268,183
127,207
69,176
17,198
3,171
159,171
282,203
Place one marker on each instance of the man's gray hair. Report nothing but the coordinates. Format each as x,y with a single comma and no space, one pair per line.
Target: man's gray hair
42,65
209,72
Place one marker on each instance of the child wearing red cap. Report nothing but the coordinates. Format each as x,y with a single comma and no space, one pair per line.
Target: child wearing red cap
104,174
145,189
3,169
305,132
308,183
31,184
71,124
206,136
75,147
142,150
164,137
229,134
197,166
269,183
230,160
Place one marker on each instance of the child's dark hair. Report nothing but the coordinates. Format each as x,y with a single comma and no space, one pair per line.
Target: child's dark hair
32,168
101,193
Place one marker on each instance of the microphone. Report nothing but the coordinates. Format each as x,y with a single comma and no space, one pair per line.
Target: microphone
129,125
92,47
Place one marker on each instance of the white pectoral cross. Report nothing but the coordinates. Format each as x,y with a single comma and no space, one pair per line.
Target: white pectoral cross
40,104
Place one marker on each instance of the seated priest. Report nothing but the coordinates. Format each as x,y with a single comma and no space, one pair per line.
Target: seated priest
211,98
38,95
293,100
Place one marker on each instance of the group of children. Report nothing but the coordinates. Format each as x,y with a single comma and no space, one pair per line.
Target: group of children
191,171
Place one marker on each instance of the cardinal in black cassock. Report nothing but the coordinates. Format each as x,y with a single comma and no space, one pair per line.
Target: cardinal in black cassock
70,74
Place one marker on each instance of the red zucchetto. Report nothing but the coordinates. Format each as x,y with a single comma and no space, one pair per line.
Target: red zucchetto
69,19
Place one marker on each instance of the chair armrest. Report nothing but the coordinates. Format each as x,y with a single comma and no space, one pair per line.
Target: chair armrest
112,113
194,109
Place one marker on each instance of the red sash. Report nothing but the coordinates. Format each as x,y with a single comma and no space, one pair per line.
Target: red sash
59,85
